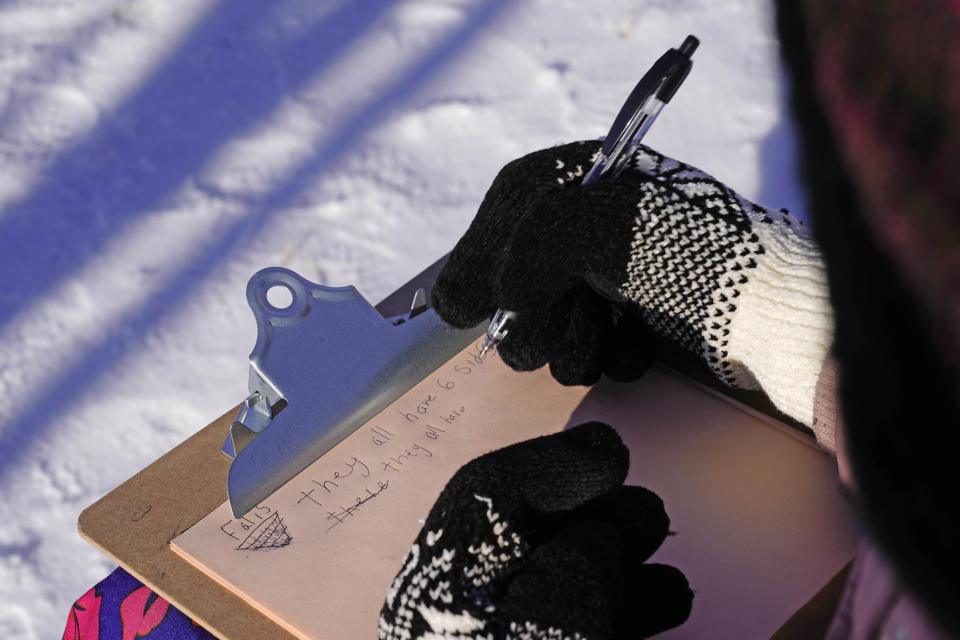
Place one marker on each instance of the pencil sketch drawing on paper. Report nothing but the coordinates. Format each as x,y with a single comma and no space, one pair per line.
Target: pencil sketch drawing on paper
269,534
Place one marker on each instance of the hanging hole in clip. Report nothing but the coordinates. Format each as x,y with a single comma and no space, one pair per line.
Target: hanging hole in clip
279,296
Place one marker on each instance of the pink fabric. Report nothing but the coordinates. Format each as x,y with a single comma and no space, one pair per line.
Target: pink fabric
120,607
875,607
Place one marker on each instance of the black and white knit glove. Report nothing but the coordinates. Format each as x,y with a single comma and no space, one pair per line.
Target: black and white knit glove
539,541
664,247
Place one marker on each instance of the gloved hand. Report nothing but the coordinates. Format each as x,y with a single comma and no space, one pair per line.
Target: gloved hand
520,253
662,246
540,540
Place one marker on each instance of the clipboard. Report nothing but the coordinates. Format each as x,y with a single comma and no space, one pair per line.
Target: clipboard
135,523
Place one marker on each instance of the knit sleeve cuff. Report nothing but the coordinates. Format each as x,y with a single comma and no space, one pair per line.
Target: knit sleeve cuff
783,328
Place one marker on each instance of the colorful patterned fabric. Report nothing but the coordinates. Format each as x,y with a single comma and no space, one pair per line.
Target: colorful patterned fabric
120,607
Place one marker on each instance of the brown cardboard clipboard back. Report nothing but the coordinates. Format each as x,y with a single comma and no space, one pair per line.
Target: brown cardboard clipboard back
135,522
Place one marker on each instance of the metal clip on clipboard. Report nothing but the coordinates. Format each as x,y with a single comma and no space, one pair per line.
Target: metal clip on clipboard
322,366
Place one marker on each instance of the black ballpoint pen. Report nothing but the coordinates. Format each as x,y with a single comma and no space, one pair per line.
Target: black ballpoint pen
643,105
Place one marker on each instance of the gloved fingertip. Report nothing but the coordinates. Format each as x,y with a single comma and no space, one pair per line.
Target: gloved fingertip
638,514
521,356
576,358
600,441
570,374
575,466
571,581
656,597
459,305
557,472
527,343
597,435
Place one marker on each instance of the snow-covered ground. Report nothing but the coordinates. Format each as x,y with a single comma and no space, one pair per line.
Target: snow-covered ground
156,153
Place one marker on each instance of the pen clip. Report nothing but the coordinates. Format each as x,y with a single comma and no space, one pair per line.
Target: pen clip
638,97
658,84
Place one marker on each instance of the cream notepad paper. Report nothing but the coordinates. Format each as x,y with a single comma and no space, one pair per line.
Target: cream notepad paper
317,556
759,525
